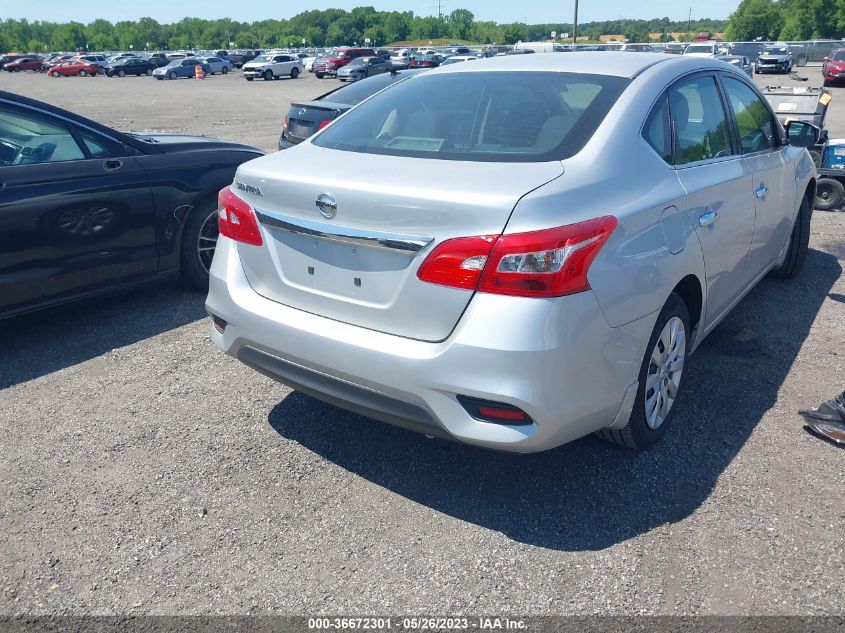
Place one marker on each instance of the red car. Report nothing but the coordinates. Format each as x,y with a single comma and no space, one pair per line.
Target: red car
833,68
73,68
28,62
327,66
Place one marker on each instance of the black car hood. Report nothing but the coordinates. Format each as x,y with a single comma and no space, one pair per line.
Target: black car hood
174,143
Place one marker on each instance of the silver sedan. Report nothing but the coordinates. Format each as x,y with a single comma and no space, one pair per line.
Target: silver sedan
566,231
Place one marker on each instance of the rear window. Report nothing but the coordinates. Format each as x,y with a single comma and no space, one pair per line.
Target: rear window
483,116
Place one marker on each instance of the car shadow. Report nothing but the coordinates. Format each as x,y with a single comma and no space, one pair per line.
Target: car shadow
40,343
589,494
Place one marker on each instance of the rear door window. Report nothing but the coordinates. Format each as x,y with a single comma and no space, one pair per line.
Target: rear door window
485,116
699,122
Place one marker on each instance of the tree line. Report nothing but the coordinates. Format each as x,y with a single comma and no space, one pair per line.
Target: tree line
787,20
330,27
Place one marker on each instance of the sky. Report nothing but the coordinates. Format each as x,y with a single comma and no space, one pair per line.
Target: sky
503,11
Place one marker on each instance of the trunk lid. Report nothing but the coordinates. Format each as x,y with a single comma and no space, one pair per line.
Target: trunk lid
359,266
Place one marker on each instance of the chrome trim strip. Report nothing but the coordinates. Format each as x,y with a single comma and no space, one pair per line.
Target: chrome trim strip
345,234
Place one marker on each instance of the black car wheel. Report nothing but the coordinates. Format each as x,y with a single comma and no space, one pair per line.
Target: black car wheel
121,73
198,244
319,75
171,74
268,75
294,73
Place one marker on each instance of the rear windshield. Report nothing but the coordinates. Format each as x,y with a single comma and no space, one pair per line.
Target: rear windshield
701,48
479,116
355,93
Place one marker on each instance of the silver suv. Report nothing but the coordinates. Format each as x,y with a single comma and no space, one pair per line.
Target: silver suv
566,231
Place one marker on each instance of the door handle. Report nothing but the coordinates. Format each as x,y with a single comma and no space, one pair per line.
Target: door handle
708,218
761,191
113,164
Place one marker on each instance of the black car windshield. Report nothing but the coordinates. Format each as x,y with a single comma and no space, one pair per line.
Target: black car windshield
839,56
480,116
355,93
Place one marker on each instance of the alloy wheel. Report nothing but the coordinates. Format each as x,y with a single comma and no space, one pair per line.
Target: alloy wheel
665,369
207,240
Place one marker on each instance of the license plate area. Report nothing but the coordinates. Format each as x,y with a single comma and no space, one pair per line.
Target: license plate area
338,269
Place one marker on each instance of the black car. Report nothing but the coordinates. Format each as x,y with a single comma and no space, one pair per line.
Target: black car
86,209
130,66
305,118
241,57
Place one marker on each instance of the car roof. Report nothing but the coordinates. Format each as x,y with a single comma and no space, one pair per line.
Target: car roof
617,64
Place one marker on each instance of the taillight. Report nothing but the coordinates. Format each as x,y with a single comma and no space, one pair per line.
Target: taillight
548,263
324,123
285,124
236,219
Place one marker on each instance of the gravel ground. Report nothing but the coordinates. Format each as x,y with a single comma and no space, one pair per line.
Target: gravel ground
144,472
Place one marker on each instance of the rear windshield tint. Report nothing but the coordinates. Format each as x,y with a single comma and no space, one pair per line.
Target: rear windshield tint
480,116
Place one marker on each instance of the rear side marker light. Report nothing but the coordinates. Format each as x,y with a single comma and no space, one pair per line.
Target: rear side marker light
236,219
494,412
219,324
548,263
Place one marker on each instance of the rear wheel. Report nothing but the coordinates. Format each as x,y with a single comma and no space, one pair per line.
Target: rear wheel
121,73
661,379
225,70
829,194
294,73
149,71
799,240
320,75
268,75
171,74
82,73
248,78
198,244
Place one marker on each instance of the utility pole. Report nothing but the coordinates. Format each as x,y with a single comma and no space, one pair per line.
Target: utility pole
689,20
575,27
440,9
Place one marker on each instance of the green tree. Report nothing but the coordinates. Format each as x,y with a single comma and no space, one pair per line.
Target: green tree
514,33
461,21
753,19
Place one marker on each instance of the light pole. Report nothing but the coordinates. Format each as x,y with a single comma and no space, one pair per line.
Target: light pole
575,27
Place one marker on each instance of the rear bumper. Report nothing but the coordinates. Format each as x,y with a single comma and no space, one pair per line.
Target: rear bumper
557,360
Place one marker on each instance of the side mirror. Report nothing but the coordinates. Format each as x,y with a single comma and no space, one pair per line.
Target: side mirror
802,134
827,59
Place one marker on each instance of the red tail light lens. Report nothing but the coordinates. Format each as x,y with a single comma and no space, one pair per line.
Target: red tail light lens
323,124
458,262
236,219
285,124
548,263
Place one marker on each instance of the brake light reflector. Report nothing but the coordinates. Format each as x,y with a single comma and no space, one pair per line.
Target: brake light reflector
548,263
236,219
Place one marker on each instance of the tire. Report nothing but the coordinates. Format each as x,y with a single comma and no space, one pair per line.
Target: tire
121,73
268,75
799,240
249,78
320,75
639,433
148,72
225,70
171,75
82,73
198,234
829,194
826,83
56,73
294,73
